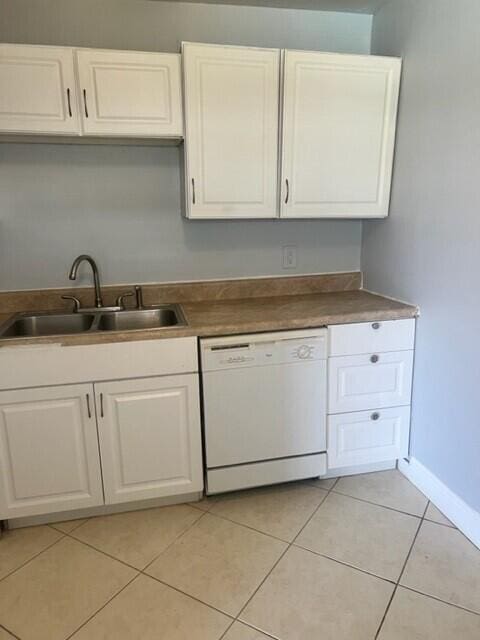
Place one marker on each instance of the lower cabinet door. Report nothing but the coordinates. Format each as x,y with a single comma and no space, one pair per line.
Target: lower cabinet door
49,458
367,437
150,438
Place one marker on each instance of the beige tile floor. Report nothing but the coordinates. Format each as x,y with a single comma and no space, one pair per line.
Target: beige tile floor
363,558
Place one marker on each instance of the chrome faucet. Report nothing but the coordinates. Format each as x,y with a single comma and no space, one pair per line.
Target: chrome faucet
96,278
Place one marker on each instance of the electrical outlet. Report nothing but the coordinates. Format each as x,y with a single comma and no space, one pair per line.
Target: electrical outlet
289,257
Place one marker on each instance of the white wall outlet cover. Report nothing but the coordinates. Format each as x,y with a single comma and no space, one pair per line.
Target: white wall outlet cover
289,253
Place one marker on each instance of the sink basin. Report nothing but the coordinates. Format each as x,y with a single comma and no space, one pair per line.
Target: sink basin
47,325
141,319
28,325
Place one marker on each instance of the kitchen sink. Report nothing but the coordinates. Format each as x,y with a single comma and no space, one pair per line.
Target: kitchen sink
141,319
53,324
47,325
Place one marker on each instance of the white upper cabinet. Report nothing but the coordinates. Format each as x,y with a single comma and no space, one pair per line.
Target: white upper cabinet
339,119
129,93
38,90
231,130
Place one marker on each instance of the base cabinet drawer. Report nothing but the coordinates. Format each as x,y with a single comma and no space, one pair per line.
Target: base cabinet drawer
357,383
367,437
371,337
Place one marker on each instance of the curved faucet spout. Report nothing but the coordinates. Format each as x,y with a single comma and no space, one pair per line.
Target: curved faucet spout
96,277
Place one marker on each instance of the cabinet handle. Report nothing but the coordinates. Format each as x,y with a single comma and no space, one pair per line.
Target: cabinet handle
375,416
287,186
193,190
69,103
85,102
376,325
88,406
374,359
101,405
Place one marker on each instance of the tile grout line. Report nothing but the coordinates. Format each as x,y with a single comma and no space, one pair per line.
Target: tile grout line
437,599
401,573
342,562
177,538
20,566
102,607
384,506
14,635
289,546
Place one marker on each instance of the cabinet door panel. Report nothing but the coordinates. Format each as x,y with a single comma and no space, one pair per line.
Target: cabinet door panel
338,134
367,437
37,90
231,114
369,381
150,438
128,93
49,458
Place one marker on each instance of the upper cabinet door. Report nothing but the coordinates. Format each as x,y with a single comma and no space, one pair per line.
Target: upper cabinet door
338,134
37,90
128,93
231,122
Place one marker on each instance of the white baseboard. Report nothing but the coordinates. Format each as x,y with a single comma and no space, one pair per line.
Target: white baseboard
466,519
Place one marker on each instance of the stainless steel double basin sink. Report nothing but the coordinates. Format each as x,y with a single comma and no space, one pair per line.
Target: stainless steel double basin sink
53,324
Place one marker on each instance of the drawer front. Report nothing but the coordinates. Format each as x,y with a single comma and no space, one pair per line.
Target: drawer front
367,437
371,337
357,383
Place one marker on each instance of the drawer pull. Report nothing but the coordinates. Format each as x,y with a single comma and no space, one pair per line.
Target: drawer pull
376,325
375,416
374,358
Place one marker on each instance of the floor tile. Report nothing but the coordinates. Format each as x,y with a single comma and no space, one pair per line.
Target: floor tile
278,511
435,515
206,503
51,596
307,597
443,563
387,488
68,525
239,631
4,635
415,617
17,546
137,537
218,562
323,483
148,610
361,534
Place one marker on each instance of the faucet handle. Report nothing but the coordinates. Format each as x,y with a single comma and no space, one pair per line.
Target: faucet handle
120,302
76,302
139,297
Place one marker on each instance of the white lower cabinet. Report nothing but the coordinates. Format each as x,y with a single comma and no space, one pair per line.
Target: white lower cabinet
49,458
369,393
369,381
366,437
150,437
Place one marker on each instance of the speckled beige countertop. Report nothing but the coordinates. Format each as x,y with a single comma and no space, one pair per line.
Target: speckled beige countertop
264,312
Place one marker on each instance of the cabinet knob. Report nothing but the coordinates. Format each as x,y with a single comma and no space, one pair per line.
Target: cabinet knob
375,415
374,358
376,325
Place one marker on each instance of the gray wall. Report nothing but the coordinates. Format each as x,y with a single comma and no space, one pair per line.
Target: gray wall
428,251
122,204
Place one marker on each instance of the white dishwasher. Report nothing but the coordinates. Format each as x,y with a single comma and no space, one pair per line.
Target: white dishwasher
264,401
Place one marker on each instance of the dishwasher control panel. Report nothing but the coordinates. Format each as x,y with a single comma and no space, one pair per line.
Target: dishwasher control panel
262,349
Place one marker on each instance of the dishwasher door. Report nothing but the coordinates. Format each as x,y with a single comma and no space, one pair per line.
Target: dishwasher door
265,400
